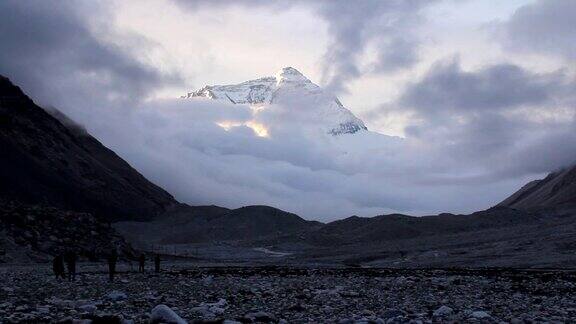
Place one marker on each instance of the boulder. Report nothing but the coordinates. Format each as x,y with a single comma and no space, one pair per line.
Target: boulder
116,296
163,314
443,311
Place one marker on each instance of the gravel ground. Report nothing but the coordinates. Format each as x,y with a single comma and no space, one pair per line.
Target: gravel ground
294,295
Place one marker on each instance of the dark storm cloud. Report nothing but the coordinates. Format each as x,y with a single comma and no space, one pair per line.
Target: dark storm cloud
503,118
548,153
446,87
497,117
403,55
49,49
546,26
352,27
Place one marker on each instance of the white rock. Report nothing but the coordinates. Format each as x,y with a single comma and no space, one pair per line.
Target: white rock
163,314
220,303
88,308
443,311
480,315
116,296
216,310
43,309
208,280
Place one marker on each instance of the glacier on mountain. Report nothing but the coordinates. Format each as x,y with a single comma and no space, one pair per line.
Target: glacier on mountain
292,96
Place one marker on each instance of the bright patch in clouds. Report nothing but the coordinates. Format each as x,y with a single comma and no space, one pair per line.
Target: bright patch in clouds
259,129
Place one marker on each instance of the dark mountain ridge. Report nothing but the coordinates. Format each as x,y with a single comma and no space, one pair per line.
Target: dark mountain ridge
44,161
383,228
210,224
557,190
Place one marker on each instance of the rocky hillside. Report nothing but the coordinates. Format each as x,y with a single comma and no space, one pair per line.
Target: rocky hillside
31,232
48,162
558,189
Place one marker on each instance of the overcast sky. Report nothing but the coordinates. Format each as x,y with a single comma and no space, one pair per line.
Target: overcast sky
481,93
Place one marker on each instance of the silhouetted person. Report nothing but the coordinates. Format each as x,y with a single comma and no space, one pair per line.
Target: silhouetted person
112,259
58,266
70,259
157,263
141,262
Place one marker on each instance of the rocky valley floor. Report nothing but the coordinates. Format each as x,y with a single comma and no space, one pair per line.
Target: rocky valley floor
286,294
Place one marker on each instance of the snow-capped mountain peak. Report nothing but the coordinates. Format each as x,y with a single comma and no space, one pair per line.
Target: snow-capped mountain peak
288,89
290,74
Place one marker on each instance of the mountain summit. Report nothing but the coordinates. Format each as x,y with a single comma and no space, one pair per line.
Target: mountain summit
290,74
299,97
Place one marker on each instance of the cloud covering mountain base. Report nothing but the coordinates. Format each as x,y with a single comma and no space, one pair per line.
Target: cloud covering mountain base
179,145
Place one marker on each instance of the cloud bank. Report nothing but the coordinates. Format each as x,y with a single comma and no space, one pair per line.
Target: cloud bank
179,145
545,27
496,117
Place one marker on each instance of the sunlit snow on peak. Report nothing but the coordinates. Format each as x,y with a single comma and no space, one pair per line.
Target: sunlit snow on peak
290,74
287,97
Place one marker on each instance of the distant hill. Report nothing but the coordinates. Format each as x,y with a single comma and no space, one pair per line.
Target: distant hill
395,227
558,189
209,224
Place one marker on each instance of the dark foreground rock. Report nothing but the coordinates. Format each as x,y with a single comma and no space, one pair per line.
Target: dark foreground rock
280,295
32,232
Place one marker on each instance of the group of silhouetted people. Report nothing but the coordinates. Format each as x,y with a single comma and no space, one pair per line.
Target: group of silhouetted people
70,257
142,262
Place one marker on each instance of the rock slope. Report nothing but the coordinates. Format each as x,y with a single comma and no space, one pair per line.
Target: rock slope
45,161
35,233
557,190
